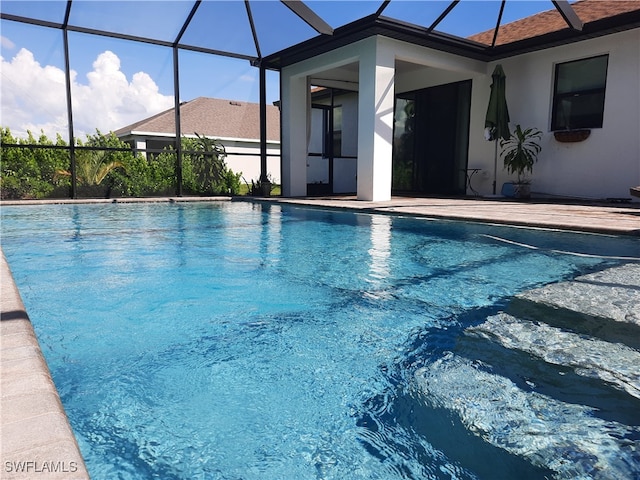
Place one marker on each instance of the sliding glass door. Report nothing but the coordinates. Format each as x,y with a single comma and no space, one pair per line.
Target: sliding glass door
431,140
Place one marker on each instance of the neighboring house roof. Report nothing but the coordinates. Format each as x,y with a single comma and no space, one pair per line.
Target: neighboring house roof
551,21
212,117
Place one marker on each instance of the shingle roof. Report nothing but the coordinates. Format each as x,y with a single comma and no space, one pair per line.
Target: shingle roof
551,20
212,117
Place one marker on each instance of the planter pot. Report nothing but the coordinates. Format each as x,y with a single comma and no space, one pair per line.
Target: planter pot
266,189
516,190
571,136
522,190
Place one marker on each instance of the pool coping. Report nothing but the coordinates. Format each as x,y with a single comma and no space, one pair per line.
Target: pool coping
595,217
35,428
36,438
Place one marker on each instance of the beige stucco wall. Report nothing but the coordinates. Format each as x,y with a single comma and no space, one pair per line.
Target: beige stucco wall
603,166
608,162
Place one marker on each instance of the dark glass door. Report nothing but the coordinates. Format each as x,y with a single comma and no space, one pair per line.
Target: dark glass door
431,139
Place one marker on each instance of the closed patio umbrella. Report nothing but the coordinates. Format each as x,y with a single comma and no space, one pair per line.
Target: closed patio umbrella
497,119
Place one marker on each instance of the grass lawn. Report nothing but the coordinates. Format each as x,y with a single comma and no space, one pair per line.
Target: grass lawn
276,190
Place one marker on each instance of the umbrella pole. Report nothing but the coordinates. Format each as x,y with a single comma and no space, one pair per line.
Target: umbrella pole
495,165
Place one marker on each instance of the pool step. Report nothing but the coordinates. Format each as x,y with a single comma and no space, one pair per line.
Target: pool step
554,379
614,363
562,383
605,305
590,324
567,438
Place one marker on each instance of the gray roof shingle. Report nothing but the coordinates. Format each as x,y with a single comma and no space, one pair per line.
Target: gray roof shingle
212,117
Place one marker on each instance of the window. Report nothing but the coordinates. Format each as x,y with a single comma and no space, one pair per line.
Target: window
578,94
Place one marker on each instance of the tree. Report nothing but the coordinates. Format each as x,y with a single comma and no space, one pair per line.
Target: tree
203,165
92,167
204,171
95,160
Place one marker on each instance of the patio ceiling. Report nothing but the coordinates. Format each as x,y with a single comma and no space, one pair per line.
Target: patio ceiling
253,29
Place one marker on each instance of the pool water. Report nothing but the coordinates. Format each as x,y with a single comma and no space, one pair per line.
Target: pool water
240,340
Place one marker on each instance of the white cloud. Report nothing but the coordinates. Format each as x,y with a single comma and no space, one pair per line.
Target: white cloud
34,98
6,43
247,77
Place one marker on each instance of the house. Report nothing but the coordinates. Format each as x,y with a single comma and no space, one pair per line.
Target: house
403,106
235,124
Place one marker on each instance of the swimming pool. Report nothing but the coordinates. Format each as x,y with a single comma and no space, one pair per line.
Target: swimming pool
246,340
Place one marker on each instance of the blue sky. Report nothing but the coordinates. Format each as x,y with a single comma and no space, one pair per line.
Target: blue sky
118,82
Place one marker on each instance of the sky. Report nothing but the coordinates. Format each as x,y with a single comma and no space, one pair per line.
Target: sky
115,82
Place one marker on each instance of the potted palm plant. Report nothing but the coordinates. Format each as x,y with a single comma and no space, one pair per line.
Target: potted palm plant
520,153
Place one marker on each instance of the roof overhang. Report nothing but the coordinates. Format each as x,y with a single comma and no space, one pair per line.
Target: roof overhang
377,25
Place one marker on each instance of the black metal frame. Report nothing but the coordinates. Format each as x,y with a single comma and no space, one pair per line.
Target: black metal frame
331,39
297,6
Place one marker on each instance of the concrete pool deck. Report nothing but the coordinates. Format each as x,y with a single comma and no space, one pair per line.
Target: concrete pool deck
606,218
34,426
614,218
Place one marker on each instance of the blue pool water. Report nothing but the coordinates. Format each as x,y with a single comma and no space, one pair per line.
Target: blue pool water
241,340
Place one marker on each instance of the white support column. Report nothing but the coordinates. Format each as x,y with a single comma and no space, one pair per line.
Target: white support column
294,136
375,121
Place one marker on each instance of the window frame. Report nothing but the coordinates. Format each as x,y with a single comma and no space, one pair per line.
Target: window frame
557,97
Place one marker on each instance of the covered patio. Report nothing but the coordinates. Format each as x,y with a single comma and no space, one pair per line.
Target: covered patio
377,68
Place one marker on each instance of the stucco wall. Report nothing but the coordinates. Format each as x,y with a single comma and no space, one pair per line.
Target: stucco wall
603,166
245,157
424,77
608,162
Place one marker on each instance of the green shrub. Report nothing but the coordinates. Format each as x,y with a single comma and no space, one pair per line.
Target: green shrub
30,172
43,172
